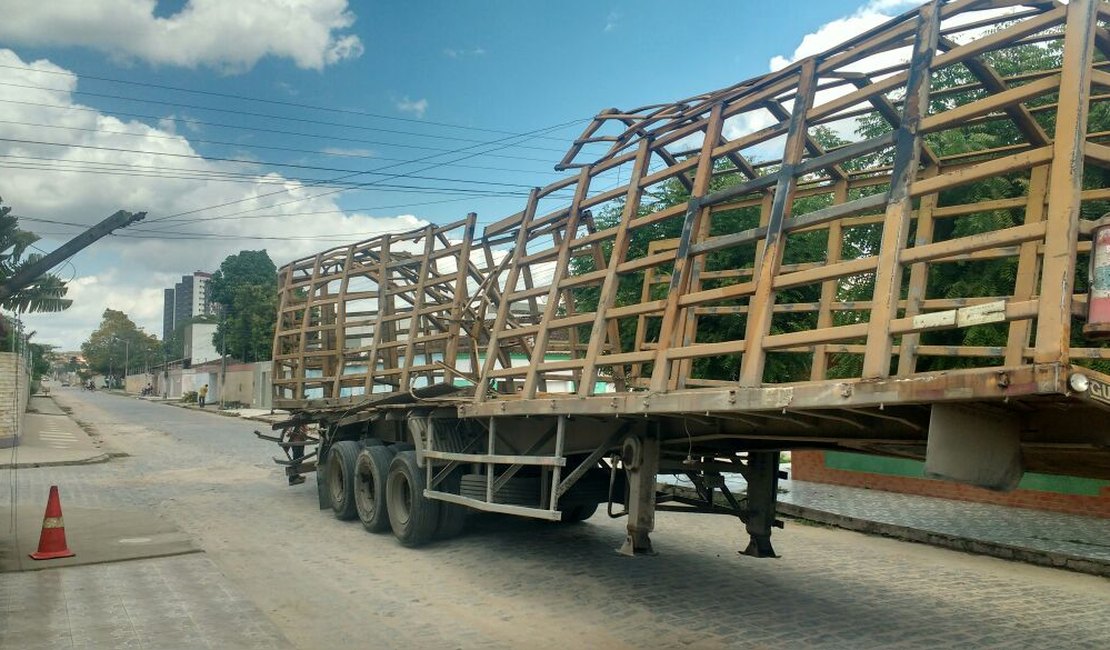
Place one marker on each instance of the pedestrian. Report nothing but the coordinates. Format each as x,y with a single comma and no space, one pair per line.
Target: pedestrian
202,395
297,434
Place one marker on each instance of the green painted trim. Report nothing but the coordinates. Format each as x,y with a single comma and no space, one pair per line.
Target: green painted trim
874,464
850,462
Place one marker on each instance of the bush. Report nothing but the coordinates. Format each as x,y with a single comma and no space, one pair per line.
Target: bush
189,397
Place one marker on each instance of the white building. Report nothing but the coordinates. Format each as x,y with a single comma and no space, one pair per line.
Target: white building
198,343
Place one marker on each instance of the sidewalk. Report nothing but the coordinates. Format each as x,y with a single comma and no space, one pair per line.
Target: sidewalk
1046,538
260,415
50,437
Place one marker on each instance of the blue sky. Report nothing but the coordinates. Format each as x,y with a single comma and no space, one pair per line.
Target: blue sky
87,115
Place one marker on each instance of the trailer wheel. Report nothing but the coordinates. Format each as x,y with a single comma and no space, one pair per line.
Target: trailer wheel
452,517
579,513
341,479
371,468
413,516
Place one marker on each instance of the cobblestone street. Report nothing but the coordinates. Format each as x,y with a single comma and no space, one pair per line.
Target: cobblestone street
293,573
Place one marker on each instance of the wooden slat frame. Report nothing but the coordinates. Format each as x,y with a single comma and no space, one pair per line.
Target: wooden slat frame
445,314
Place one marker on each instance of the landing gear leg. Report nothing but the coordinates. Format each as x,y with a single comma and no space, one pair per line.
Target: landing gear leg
763,485
641,458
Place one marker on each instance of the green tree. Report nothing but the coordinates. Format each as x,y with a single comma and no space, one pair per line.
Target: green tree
47,292
245,288
804,247
118,341
42,358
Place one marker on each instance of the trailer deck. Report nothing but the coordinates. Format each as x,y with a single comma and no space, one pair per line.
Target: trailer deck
886,248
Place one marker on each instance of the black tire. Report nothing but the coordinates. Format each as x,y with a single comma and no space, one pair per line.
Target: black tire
517,491
578,513
413,517
452,517
371,468
341,479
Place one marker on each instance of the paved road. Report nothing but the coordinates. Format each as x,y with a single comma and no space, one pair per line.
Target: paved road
515,583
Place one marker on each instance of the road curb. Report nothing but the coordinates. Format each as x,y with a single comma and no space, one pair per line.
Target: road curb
966,544
92,460
216,411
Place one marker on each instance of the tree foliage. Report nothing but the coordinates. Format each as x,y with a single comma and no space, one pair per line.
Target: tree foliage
42,358
962,279
805,247
245,288
47,292
118,341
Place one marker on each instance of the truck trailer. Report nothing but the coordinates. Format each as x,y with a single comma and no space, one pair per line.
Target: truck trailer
894,247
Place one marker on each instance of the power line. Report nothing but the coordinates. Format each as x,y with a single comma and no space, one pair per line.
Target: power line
363,185
245,161
274,216
304,120
283,132
277,102
337,185
324,153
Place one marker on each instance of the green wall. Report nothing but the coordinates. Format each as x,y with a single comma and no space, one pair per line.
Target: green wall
916,469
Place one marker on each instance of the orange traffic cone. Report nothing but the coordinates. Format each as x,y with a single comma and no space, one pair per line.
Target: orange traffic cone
52,541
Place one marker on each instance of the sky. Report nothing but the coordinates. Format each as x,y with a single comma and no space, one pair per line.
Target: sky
228,123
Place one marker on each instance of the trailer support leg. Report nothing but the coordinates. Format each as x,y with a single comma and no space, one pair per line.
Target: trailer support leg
641,459
763,485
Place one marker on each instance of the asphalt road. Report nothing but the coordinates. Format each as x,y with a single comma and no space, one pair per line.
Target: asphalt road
318,582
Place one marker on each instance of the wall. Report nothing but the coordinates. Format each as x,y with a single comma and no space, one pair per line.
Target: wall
13,397
238,384
247,383
1068,494
263,385
198,343
137,382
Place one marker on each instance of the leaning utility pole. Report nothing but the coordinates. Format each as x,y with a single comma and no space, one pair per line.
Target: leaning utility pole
28,275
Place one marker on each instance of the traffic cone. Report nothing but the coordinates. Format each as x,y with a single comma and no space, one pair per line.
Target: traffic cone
52,541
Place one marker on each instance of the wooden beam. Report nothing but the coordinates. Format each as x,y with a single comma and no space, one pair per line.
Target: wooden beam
759,322
539,349
611,283
888,274
1065,184
661,376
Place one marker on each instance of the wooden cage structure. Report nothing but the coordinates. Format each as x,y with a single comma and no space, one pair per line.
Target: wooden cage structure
905,218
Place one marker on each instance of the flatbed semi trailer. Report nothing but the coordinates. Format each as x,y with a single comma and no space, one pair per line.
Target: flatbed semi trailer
894,247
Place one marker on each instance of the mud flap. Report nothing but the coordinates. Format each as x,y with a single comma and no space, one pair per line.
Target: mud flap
980,448
321,480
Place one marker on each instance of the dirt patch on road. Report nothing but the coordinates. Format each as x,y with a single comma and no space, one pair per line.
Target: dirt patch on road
213,474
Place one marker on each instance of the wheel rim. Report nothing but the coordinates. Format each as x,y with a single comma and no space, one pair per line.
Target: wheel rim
336,482
365,494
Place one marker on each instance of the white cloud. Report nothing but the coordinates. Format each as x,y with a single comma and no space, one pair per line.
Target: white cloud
347,152
138,269
611,21
91,295
413,107
227,35
455,53
837,31
840,30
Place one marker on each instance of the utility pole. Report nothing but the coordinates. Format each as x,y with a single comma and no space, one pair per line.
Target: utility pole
31,272
223,353
126,361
